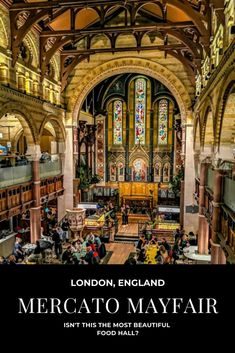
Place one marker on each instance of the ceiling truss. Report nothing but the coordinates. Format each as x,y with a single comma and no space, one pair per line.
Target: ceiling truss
188,38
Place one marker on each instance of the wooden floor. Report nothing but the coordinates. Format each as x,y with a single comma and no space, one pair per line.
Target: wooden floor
121,252
129,229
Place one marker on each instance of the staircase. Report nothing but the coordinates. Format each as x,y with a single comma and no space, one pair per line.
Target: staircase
127,238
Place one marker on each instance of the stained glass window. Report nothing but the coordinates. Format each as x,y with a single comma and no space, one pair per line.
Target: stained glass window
140,110
162,122
117,122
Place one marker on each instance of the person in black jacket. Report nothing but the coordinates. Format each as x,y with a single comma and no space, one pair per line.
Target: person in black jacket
142,256
57,243
67,257
65,228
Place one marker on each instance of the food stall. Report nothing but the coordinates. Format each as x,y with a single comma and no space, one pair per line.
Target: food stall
167,219
101,225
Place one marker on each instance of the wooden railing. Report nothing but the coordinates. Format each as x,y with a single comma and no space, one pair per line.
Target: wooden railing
21,196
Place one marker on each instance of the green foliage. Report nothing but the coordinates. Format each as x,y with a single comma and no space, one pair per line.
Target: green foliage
175,184
94,179
86,178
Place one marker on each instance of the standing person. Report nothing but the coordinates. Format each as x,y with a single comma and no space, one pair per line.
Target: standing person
176,235
57,243
126,212
18,250
65,228
123,215
61,233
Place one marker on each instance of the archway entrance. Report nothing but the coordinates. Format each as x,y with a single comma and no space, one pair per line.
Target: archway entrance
136,152
16,135
227,136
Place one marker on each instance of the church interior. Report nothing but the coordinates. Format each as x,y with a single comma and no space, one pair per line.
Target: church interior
117,132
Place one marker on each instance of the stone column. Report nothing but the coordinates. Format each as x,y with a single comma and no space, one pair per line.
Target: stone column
222,257
203,226
35,211
182,203
61,199
215,249
190,220
216,221
21,82
35,224
68,168
151,169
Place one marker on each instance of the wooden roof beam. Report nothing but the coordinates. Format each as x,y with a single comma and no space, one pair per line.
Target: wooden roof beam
118,29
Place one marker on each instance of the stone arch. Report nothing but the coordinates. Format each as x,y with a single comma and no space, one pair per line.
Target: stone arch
4,42
57,125
207,133
138,153
197,134
227,85
157,164
131,65
55,63
30,42
17,137
24,117
207,114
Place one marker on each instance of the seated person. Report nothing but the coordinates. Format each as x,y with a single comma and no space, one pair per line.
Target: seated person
192,239
153,240
67,256
177,251
90,237
166,244
45,156
97,240
36,256
89,254
184,241
142,256
141,242
162,256
3,261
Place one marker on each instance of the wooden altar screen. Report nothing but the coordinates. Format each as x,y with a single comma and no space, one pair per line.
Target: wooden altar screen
139,190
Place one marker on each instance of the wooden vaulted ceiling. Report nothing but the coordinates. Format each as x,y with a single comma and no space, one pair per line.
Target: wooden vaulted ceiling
182,25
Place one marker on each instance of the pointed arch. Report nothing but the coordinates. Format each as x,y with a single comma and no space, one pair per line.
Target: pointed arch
129,65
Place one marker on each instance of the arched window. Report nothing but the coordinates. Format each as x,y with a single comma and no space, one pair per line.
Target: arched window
158,172
140,110
120,171
163,121
117,122
166,172
139,170
113,171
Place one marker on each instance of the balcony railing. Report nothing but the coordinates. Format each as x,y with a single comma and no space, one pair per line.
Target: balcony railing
50,169
229,193
15,175
210,179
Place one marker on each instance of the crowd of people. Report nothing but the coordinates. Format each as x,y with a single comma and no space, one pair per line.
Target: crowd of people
166,251
13,160
58,248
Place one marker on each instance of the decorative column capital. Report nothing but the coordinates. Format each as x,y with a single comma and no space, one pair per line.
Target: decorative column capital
33,152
